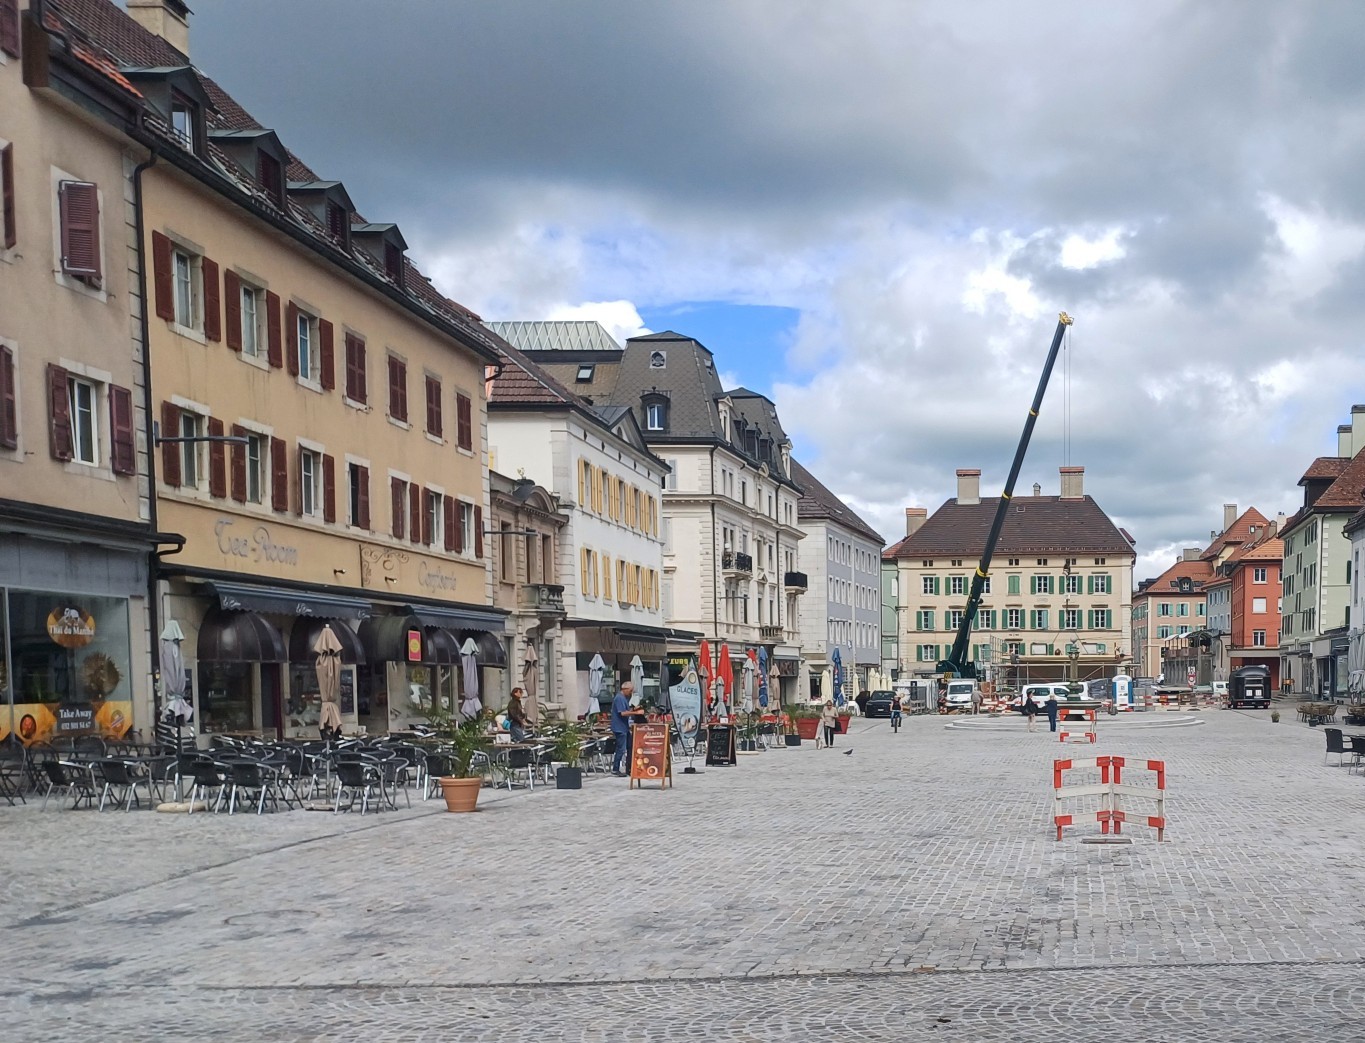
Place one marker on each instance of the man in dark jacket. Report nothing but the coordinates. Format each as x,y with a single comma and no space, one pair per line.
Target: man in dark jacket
1052,708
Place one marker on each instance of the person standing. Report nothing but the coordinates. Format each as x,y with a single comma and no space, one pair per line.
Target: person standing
861,700
829,721
620,727
976,700
517,721
1052,708
1030,711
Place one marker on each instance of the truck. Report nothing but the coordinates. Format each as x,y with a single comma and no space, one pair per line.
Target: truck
957,664
1249,686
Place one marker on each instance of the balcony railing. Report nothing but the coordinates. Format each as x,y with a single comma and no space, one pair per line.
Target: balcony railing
794,581
736,561
770,634
545,598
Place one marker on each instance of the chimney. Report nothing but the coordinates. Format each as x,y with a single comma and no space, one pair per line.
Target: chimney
1357,431
1229,515
1037,489
168,19
914,518
1073,483
1189,554
968,485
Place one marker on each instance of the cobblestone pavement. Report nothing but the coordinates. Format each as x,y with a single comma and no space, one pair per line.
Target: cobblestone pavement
912,890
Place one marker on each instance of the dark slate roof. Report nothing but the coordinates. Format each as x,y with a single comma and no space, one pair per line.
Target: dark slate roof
817,502
688,378
1347,493
1033,525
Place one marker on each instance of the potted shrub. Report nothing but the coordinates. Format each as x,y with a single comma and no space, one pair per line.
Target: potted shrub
568,749
748,734
807,719
791,734
1274,716
466,739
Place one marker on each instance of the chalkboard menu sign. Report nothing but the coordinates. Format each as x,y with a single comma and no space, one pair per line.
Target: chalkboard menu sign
651,755
720,745
347,693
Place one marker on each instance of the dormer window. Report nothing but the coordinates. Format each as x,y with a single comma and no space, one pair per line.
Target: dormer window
393,262
339,224
585,374
185,120
655,408
270,177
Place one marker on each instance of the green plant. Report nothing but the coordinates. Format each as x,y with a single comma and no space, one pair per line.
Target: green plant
466,739
1274,716
568,747
804,710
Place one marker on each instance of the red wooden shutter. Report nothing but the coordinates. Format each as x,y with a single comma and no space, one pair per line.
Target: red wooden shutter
161,277
123,448
464,421
238,482
400,506
356,390
272,329
7,191
9,27
329,489
213,308
450,505
433,389
59,413
362,497
326,356
426,516
459,528
80,213
291,338
217,460
398,389
9,412
478,532
170,451
415,512
298,483
279,475
232,299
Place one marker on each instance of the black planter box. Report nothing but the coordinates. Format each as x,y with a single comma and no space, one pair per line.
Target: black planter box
568,778
793,740
747,745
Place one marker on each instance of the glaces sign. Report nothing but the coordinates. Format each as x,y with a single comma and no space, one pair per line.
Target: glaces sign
69,627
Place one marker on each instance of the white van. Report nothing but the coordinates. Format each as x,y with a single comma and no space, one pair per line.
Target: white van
1039,693
959,694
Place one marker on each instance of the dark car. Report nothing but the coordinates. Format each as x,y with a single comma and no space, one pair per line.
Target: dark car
879,704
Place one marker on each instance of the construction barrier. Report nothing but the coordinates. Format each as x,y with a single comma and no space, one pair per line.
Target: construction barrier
1110,789
1088,719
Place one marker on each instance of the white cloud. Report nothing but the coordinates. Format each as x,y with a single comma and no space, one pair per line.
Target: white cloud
619,318
1079,253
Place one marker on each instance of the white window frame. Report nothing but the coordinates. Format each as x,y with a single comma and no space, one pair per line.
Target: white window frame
187,288
1258,605
193,470
467,517
434,512
1258,639
1259,574
307,348
257,471
654,416
310,482
254,334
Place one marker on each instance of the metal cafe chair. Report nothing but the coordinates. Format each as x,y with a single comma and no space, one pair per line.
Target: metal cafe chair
70,780
121,781
357,778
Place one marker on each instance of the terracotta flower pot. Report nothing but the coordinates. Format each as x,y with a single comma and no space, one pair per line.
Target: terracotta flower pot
807,727
460,794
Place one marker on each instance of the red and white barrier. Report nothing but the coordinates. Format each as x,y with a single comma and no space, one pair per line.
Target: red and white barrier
1088,722
1110,789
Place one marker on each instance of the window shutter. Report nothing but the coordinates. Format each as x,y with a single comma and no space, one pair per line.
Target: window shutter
478,532
1090,584
279,475
433,387
363,497
9,411
161,277
238,469
355,369
450,511
9,27
291,338
123,446
217,460
170,451
426,518
59,413
80,213
298,480
402,390
232,295
274,347
415,512
399,506
329,489
213,322
459,528
7,188
464,421
326,356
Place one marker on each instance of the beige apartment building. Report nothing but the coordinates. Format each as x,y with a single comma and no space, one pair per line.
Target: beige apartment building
318,410
1057,598
76,525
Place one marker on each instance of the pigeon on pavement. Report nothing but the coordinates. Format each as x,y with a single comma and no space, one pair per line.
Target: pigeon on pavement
848,753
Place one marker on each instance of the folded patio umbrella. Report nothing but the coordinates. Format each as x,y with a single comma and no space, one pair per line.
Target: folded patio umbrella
530,680
328,650
596,669
637,680
469,671
748,682
763,677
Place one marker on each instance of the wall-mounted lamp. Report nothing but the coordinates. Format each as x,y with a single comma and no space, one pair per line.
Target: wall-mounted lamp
338,572
390,579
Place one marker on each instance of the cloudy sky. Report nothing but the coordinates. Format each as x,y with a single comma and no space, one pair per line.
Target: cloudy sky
874,210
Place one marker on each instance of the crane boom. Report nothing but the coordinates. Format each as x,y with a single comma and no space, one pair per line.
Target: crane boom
957,664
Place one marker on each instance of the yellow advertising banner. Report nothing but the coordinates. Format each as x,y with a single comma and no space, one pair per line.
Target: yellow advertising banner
44,722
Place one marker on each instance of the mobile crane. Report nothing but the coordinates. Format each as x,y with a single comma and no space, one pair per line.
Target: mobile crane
957,664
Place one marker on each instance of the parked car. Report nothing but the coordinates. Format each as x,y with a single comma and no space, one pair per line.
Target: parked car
1039,693
879,703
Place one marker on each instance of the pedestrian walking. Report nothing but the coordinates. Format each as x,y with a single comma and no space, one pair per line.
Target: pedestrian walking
1052,708
976,700
620,727
829,722
1030,711
861,699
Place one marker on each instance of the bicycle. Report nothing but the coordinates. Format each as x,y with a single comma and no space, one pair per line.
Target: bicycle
896,719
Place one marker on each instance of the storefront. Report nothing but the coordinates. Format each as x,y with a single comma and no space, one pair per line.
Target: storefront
68,663
618,646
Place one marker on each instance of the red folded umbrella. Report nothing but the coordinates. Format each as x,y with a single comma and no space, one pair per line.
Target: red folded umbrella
704,666
725,671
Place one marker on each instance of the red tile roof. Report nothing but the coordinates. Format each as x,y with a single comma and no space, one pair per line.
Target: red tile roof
1348,491
1198,571
1325,467
1238,532
818,503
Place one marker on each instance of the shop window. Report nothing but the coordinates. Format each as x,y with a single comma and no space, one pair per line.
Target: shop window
227,697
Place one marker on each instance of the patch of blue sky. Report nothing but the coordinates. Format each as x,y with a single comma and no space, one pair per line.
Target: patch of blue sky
749,341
